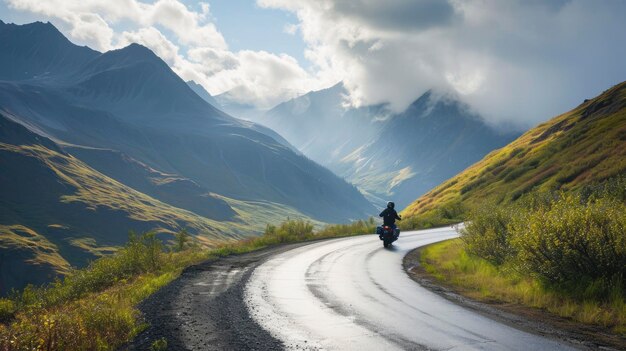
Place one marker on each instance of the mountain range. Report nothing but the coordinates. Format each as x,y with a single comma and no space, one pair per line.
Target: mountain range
388,155
95,144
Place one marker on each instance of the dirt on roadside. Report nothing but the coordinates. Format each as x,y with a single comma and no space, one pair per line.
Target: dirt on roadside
525,318
204,309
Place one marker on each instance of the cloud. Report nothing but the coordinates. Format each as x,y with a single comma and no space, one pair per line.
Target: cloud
190,27
86,27
290,28
187,40
519,61
251,77
395,15
512,61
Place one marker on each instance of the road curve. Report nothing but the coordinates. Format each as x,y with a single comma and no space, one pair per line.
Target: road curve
352,294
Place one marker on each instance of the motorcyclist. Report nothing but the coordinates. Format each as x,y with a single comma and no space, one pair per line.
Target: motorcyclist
389,217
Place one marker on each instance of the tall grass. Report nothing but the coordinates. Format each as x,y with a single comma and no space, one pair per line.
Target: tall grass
94,308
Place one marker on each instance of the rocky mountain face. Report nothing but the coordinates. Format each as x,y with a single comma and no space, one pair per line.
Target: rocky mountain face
389,156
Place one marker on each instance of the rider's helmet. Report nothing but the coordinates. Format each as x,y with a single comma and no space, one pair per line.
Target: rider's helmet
390,204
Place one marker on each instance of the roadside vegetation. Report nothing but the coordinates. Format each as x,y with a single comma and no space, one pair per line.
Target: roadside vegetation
95,308
445,215
562,252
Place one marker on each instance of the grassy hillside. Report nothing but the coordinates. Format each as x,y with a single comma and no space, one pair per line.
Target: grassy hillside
57,212
578,148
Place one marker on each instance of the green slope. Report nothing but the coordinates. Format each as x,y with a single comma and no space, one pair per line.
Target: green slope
57,212
580,147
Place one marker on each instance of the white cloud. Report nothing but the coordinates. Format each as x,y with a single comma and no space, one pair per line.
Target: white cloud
290,28
520,61
187,40
251,77
84,26
190,27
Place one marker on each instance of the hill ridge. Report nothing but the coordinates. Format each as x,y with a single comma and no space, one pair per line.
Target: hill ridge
582,146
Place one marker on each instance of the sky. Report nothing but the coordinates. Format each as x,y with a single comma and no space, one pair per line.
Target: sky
516,62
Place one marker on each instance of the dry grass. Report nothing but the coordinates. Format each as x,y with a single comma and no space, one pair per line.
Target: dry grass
479,279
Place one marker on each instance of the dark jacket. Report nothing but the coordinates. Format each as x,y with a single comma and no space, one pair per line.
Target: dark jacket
389,216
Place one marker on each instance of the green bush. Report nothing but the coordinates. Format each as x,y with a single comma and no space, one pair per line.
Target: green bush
426,222
449,213
142,254
289,231
487,234
570,242
159,345
180,240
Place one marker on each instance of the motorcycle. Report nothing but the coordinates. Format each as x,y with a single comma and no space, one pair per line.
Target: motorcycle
387,234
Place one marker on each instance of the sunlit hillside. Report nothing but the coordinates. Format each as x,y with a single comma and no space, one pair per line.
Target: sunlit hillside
580,147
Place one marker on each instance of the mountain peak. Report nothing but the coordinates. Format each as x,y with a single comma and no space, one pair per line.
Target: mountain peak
139,49
38,50
134,52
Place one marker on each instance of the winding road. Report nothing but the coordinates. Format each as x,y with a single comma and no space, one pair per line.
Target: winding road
336,294
352,294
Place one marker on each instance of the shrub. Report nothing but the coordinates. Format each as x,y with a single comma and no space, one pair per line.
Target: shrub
487,235
425,221
570,242
159,345
92,308
142,254
180,239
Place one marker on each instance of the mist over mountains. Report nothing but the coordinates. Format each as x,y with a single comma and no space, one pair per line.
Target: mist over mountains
389,156
120,133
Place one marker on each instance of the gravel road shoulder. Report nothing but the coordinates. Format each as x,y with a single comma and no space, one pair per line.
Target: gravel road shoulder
203,309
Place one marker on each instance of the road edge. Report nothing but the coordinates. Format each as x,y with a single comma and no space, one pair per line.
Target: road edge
155,304
533,321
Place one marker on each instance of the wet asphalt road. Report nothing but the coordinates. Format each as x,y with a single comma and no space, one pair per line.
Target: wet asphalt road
338,294
352,294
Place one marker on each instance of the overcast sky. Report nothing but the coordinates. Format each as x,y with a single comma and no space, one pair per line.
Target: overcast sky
518,61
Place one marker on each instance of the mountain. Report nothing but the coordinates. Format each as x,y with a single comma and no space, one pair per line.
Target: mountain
129,100
57,212
199,89
432,140
118,141
38,50
387,155
580,147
